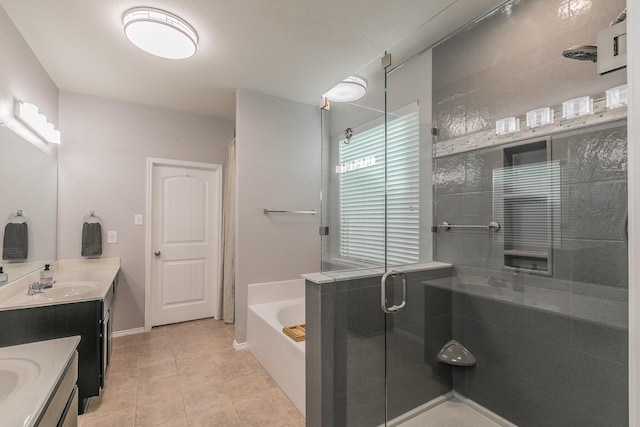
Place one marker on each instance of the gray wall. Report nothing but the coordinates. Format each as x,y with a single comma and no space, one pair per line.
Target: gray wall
102,167
22,77
278,167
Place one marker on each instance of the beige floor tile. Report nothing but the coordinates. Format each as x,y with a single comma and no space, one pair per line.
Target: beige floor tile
124,365
194,364
226,355
200,399
120,380
157,389
175,423
267,408
186,343
119,418
188,374
113,398
161,412
232,368
296,417
159,333
127,341
162,369
124,352
194,348
215,417
245,385
217,342
157,348
205,377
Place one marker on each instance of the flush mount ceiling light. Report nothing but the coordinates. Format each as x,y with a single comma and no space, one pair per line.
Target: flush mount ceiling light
350,89
160,33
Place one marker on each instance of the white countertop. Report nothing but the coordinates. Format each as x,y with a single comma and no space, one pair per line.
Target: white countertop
42,365
99,272
340,275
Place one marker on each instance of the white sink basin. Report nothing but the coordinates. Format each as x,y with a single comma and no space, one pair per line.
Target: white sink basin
16,375
69,289
59,292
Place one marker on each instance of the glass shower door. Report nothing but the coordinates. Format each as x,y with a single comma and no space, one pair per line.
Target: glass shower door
418,322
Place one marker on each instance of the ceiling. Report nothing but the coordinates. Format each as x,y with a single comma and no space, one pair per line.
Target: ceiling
293,49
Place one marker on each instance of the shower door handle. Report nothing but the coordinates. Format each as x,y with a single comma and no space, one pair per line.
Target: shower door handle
383,292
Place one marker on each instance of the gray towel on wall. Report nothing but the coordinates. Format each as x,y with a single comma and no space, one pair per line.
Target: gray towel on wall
91,239
15,244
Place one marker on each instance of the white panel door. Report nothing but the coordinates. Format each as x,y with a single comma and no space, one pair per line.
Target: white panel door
185,241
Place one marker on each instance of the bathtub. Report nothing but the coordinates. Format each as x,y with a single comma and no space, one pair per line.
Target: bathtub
282,357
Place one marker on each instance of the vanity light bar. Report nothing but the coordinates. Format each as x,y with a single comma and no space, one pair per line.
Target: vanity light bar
37,122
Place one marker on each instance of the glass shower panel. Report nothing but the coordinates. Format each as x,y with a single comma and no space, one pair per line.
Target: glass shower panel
353,184
415,333
542,302
353,252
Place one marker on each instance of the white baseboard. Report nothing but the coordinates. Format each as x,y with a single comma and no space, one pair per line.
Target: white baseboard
126,332
239,346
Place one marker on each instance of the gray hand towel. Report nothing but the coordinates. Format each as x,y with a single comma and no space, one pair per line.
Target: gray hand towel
91,239
15,244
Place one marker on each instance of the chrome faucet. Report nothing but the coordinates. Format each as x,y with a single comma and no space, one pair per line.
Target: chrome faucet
37,287
34,288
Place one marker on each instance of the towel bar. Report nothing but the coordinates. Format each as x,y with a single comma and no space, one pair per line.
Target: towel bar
493,226
268,211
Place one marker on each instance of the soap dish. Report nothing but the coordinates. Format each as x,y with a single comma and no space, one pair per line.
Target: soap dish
454,353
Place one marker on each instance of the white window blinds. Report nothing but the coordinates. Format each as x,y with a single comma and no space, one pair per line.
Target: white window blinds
362,192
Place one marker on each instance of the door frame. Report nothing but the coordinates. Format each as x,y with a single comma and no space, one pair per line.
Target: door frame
217,190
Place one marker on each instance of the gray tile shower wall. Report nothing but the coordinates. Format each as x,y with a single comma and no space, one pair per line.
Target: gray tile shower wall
537,368
511,62
346,346
540,366
560,360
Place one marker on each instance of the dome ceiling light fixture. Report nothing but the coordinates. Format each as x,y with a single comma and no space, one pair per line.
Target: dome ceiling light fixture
350,89
160,33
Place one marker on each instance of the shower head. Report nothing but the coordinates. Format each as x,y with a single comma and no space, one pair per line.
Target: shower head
582,53
348,133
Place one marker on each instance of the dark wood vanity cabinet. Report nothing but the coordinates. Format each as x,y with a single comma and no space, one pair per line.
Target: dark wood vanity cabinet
89,319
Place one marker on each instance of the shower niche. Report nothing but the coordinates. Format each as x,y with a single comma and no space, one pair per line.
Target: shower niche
526,200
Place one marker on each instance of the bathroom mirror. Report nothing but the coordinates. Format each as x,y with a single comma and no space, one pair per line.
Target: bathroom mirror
28,183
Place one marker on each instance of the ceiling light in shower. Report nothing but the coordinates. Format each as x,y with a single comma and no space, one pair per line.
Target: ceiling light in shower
160,33
350,89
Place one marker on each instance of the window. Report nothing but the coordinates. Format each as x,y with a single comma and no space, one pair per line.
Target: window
362,192
527,194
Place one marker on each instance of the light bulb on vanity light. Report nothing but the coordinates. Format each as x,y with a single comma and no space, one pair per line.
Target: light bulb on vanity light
37,122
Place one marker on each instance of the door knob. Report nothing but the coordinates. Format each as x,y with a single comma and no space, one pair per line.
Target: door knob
157,253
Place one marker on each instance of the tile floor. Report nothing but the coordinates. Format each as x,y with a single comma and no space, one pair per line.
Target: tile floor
186,375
